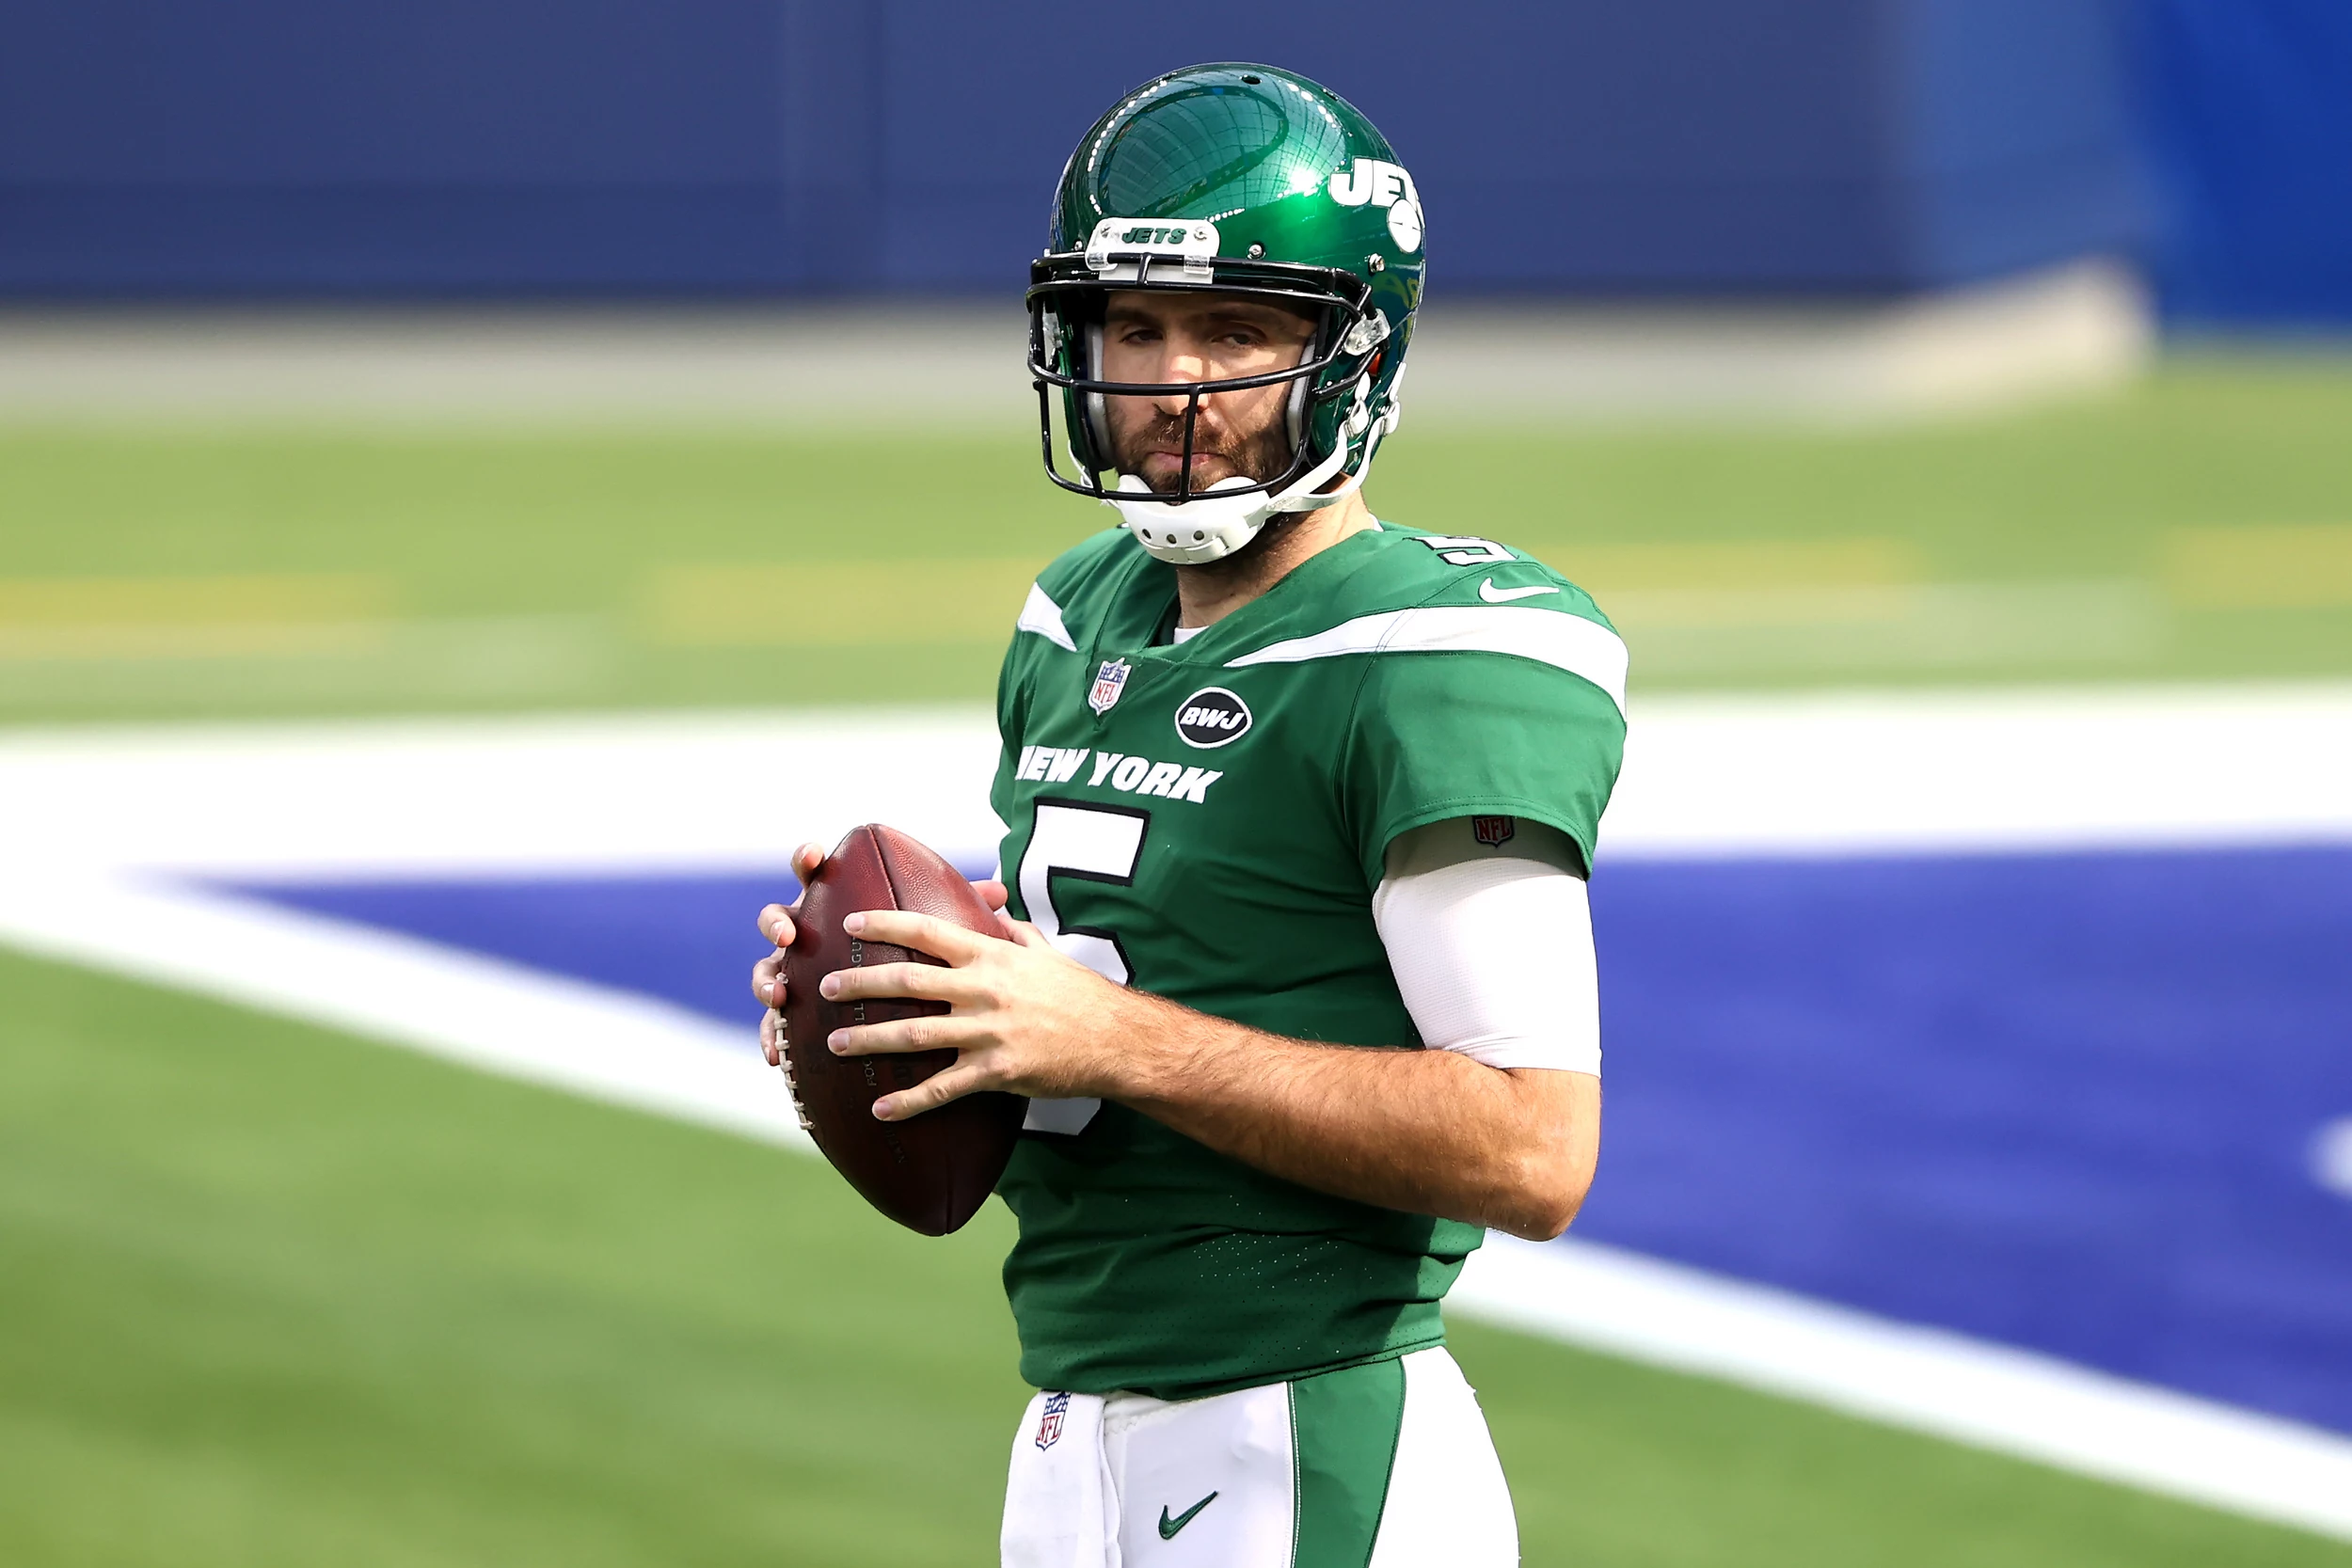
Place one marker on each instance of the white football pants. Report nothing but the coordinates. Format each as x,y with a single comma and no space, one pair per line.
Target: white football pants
1386,1465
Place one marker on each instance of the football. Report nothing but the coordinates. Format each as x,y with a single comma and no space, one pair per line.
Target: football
934,1172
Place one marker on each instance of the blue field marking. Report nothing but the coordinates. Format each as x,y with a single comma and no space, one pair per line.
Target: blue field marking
2066,1101
691,940
688,940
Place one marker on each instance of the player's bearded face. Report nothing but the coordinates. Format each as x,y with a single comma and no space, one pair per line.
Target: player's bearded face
1191,338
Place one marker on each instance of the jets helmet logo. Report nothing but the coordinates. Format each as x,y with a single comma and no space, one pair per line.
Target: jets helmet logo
1383,185
1212,717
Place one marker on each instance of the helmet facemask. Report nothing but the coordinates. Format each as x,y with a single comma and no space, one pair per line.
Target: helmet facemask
1326,423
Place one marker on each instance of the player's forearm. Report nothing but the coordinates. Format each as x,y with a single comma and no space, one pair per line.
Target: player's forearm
1426,1132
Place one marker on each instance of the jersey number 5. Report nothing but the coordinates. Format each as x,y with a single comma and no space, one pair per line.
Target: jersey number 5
1091,843
1467,552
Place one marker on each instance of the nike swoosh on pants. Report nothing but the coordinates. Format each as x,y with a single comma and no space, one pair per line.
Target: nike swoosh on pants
1170,1526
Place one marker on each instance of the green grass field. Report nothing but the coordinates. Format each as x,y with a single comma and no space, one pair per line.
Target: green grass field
2199,524
272,1296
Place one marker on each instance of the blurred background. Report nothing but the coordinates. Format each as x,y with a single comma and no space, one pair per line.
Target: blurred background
374,376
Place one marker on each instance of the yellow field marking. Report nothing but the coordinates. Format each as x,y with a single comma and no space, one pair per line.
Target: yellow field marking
183,617
837,602
1954,625
1736,566
1796,605
1760,583
1793,582
2292,566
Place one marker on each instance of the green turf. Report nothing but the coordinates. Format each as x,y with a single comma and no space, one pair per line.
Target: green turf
523,571
269,1295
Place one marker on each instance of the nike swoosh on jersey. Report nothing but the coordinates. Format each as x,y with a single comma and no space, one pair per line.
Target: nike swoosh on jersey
1170,1526
1488,591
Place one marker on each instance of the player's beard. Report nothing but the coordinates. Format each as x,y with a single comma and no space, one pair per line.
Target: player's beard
1258,458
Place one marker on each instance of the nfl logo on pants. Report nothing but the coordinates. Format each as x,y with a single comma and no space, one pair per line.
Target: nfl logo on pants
1049,1424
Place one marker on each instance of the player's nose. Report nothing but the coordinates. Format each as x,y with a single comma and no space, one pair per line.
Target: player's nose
1179,366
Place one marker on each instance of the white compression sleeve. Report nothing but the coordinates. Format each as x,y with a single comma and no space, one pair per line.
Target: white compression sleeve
1492,947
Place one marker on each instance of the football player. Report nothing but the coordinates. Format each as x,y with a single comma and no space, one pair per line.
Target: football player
1300,803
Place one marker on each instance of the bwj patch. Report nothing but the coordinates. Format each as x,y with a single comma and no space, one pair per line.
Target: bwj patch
1109,681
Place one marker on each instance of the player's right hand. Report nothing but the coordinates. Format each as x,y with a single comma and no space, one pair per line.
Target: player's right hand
776,924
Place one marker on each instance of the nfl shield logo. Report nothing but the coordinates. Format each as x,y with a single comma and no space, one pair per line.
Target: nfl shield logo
1049,1424
1494,832
1109,681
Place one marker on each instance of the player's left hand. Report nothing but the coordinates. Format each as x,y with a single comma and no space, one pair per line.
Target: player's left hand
1027,1018
778,924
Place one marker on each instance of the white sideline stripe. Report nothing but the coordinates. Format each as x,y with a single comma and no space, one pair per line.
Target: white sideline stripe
1042,616
629,1051
1864,772
502,1018
493,796
1850,773
1564,642
1928,1380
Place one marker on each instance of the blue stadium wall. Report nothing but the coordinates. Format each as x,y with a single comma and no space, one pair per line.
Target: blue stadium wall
2246,109
602,147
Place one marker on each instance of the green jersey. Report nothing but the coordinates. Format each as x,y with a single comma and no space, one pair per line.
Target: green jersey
1206,819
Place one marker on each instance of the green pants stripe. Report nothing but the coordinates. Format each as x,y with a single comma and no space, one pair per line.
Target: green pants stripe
1344,1432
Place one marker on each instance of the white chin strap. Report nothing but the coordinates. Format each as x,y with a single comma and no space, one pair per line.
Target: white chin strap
1211,527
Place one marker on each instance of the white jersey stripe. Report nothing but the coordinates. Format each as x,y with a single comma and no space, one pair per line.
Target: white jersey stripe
1568,642
1042,616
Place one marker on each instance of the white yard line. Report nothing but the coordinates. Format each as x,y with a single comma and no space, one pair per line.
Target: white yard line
502,1018
1986,1394
2331,1157
98,823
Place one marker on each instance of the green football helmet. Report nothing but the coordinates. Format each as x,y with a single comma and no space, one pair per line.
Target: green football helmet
1239,179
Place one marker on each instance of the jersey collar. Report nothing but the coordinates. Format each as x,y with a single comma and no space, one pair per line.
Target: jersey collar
1144,606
